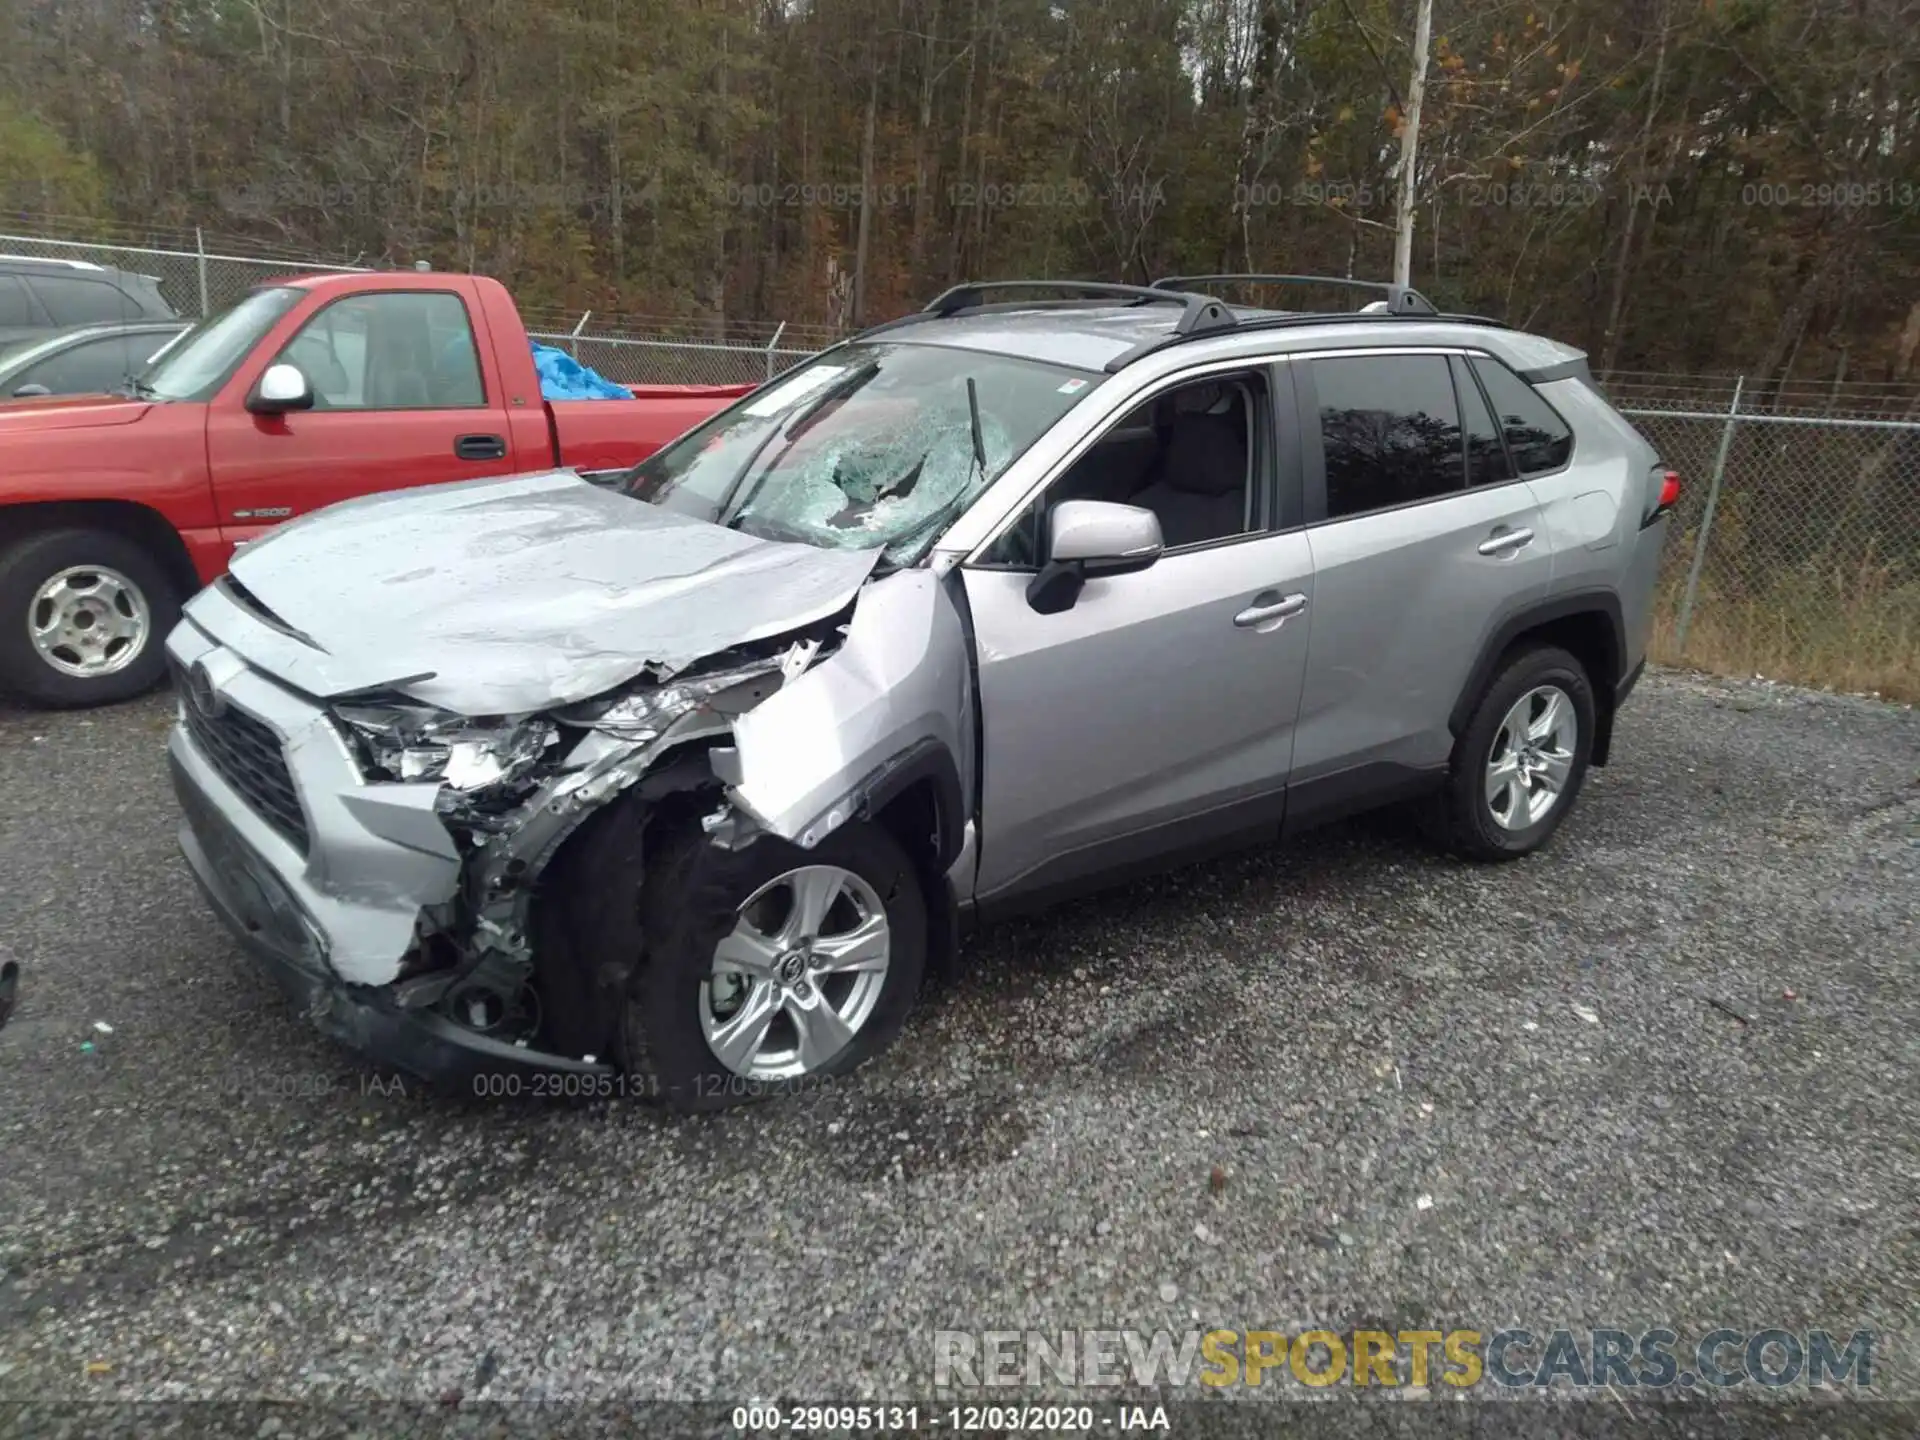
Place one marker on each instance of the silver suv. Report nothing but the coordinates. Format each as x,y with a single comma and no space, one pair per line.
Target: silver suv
682,786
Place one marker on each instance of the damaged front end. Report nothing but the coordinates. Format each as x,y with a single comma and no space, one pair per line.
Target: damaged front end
513,791
791,737
411,918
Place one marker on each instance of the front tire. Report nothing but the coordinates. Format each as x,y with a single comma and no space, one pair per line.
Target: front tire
84,617
1518,766
772,969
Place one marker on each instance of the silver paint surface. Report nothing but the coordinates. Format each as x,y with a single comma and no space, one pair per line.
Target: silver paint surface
516,594
901,677
379,852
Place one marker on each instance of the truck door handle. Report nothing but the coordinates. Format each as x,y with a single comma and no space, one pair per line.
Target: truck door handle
480,447
1505,541
1264,609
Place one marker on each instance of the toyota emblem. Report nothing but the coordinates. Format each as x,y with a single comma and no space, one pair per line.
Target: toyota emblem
207,700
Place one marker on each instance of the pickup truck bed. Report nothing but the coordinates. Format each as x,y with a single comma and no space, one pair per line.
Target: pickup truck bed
595,436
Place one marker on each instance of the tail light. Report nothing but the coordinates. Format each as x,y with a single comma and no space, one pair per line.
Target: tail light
1663,493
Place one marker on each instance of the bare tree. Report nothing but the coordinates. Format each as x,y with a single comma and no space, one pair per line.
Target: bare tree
1410,144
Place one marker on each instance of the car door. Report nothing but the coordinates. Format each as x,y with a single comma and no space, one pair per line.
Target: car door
1410,561
1156,714
399,400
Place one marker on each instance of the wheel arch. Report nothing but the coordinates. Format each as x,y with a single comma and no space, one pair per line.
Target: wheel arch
918,800
1586,624
129,519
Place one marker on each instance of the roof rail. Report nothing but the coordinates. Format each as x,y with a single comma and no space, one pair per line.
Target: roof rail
1198,313
1401,299
1253,323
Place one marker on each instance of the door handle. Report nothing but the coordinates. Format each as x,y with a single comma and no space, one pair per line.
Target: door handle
1264,610
1505,541
480,447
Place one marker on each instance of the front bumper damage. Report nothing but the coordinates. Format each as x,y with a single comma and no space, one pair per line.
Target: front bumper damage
332,925
403,927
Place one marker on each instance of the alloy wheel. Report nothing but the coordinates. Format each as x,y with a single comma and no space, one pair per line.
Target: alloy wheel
1531,758
798,975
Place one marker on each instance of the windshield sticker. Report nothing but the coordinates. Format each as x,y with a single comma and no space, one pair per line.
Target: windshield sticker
788,392
1073,387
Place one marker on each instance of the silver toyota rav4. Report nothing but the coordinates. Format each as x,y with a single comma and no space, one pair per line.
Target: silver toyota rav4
681,782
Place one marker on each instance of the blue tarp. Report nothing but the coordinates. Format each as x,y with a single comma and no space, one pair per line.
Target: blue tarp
564,378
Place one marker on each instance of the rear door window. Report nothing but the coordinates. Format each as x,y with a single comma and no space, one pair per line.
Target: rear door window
16,310
1390,429
1537,438
79,300
1487,462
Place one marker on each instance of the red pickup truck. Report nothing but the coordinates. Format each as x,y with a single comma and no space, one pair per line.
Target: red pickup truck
113,509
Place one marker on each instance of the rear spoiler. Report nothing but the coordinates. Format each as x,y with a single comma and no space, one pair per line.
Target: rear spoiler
1574,369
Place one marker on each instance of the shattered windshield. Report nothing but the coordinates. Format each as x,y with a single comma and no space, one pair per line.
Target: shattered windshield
871,446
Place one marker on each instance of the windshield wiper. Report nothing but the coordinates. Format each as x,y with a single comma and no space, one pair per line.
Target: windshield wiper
973,415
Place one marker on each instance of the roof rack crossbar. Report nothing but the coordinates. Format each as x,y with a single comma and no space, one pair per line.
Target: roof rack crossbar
1198,313
1401,299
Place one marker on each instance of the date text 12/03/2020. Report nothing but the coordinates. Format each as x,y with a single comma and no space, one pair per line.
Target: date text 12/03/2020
960,1419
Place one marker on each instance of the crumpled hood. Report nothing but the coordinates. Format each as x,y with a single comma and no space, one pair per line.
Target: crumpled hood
67,412
519,594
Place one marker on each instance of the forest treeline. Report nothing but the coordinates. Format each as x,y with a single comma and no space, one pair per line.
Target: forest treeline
1674,184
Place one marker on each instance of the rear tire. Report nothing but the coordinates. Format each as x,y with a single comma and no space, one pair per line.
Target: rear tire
102,606
684,1005
1518,766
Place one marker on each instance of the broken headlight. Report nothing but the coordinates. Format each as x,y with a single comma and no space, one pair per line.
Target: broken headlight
409,742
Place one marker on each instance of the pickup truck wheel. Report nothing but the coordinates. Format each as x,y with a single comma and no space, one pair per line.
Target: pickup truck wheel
771,969
1518,765
84,616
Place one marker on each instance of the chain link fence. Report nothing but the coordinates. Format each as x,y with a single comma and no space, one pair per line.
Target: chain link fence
196,280
1795,552
202,276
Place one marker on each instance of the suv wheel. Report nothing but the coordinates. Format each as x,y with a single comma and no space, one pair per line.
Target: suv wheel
1518,765
771,968
84,616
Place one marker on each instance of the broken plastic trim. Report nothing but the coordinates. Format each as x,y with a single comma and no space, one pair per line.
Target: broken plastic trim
626,737
406,741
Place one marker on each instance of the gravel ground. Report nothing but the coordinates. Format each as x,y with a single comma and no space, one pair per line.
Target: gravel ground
1663,1073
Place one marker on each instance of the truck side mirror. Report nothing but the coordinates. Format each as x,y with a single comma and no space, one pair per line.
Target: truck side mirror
284,387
